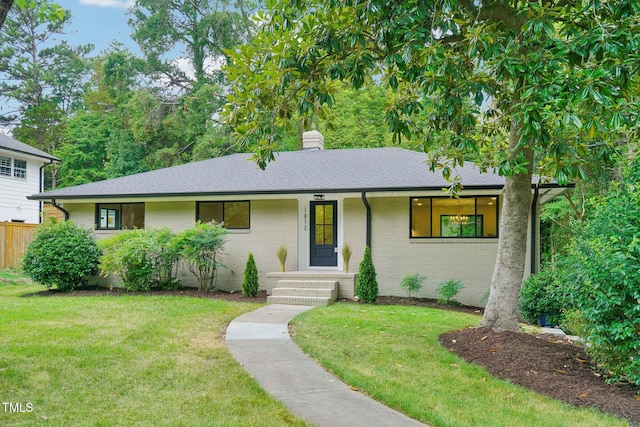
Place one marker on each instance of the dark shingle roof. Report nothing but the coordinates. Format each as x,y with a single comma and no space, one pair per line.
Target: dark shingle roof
11,144
370,169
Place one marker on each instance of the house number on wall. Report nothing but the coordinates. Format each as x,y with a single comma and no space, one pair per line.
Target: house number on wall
305,219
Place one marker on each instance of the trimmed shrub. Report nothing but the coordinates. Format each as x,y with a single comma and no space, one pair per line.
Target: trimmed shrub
448,291
127,255
544,293
412,283
250,282
200,249
62,255
605,286
367,284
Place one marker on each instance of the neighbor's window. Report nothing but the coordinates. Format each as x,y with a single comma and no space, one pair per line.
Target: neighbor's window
119,216
447,217
234,215
13,167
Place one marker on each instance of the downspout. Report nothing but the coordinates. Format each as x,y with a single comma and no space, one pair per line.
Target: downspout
41,188
534,229
368,207
61,209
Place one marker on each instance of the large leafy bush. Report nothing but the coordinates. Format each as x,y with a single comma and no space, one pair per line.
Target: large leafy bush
165,256
367,283
62,254
200,248
545,293
606,287
127,255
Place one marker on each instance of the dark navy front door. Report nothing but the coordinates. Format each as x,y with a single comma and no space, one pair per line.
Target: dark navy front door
324,234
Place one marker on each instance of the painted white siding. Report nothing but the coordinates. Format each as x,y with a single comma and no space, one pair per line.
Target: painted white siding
14,205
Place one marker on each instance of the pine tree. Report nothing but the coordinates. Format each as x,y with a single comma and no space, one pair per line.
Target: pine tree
367,284
250,282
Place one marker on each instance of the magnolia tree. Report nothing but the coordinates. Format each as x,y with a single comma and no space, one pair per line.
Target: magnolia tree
523,87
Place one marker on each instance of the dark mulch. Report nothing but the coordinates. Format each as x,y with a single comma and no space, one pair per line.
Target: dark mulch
183,292
547,364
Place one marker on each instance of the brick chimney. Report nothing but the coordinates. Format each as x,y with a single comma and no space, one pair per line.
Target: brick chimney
312,140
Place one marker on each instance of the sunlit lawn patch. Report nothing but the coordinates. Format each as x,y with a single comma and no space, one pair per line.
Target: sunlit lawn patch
392,353
124,361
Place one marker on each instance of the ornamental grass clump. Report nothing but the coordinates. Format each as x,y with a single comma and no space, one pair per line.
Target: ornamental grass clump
62,254
367,283
346,256
250,283
281,253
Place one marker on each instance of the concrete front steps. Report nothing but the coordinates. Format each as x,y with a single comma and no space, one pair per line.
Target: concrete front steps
304,292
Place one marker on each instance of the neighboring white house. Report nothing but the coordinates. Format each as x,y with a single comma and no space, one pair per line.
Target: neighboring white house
314,202
21,176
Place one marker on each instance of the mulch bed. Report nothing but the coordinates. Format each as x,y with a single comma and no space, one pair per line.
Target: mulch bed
182,292
549,365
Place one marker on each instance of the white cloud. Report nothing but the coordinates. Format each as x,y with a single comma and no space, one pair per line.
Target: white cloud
123,4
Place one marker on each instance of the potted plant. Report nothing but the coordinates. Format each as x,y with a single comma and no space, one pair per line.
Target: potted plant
541,300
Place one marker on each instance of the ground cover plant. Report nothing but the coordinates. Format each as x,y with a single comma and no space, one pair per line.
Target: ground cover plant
392,353
127,360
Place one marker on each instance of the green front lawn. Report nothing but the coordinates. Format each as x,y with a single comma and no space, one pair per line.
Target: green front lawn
392,353
149,360
123,361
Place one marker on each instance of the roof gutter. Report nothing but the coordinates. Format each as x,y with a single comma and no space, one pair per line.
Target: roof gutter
534,230
368,207
61,209
41,187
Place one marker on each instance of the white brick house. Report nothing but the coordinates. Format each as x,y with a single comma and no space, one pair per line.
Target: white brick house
315,201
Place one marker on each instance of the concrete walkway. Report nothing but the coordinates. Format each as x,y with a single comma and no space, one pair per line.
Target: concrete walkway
260,341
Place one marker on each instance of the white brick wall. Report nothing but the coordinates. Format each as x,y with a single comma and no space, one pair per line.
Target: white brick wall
395,254
273,222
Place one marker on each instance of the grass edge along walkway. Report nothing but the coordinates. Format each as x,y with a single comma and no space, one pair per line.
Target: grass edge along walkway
392,353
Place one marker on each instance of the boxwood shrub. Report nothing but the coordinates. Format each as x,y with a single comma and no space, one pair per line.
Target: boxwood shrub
62,254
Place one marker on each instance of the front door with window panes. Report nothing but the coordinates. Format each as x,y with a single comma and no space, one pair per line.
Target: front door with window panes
324,234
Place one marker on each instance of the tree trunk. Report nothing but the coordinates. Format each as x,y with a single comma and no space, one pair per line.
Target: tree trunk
5,6
501,312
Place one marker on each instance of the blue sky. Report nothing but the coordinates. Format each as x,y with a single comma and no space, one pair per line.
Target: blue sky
98,22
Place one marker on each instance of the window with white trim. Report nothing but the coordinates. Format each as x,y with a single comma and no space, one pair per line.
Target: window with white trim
13,167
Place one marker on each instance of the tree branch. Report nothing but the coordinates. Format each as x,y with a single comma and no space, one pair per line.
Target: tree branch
501,12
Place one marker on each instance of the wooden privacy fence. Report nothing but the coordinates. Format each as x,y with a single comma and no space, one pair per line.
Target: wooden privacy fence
14,239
